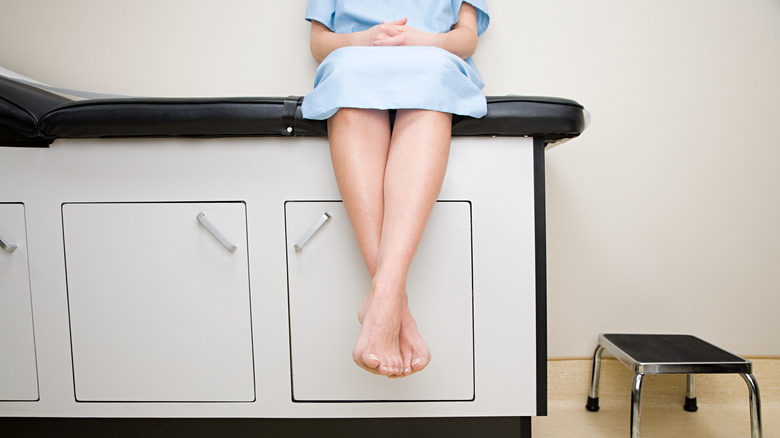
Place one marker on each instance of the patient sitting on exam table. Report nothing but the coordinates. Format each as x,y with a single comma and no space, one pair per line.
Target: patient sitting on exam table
411,58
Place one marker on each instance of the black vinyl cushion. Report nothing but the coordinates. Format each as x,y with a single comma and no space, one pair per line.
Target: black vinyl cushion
22,106
30,113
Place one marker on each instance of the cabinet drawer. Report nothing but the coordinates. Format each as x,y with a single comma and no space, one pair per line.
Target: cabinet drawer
18,370
327,282
159,307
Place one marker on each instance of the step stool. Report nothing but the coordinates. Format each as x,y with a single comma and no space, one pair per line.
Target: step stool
671,354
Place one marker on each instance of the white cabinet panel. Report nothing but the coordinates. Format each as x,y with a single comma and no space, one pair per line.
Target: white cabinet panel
328,281
18,371
159,308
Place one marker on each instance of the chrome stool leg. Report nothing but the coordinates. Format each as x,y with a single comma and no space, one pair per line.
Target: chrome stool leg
636,404
755,406
593,396
690,394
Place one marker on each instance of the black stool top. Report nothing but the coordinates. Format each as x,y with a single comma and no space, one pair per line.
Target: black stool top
671,354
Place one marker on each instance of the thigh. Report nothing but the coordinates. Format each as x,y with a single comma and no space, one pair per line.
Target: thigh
420,144
359,144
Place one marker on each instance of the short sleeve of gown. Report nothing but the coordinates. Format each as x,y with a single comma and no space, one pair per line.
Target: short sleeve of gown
483,19
322,11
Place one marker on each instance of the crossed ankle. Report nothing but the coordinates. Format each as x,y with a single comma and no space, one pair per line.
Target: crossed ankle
394,283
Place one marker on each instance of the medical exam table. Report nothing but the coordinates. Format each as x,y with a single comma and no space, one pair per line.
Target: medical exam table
185,266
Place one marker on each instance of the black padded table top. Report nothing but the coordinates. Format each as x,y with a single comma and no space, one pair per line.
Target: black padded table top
31,116
661,354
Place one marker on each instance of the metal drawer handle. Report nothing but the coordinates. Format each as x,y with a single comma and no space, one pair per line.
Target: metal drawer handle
313,229
216,233
7,247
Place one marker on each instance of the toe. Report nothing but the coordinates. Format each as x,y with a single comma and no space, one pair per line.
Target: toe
419,363
392,368
369,362
389,371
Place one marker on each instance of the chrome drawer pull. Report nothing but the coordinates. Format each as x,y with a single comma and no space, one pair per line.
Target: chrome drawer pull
313,229
7,247
215,232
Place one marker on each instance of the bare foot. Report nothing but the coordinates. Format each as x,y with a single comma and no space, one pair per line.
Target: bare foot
377,349
414,353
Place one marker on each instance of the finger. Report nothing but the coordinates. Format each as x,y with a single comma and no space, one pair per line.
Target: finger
399,22
390,41
390,29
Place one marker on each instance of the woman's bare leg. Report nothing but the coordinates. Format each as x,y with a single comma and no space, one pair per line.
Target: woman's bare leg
389,197
416,164
359,144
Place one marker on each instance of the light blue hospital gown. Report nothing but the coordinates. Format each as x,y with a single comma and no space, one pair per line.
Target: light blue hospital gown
394,77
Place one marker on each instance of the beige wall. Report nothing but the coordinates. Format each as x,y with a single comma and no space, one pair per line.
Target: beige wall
662,217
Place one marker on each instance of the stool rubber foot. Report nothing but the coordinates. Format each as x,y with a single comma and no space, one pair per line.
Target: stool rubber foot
593,404
690,405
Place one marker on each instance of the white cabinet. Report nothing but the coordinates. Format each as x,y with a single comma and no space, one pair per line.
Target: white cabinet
18,371
139,311
328,280
159,307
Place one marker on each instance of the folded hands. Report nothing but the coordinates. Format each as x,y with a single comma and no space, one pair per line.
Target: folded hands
397,33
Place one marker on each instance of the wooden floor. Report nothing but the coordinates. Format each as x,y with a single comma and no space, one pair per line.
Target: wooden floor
722,400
